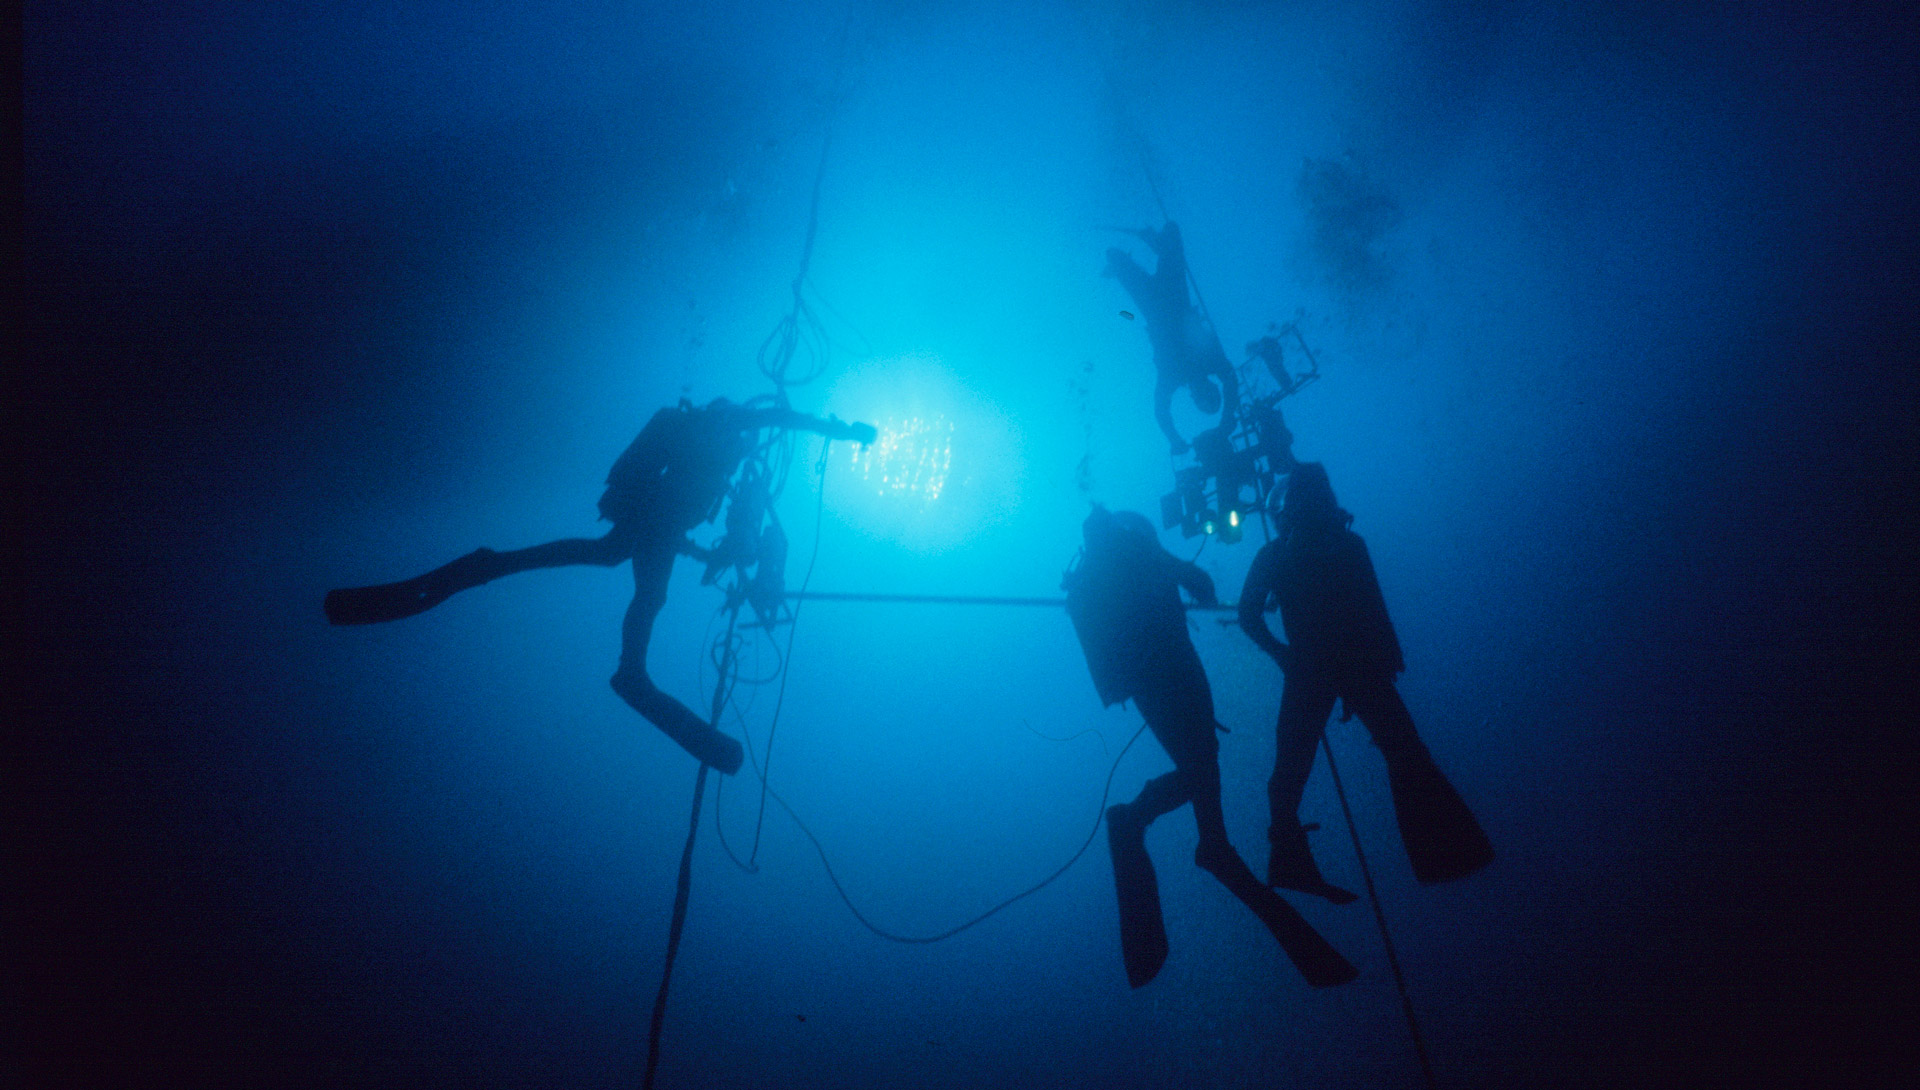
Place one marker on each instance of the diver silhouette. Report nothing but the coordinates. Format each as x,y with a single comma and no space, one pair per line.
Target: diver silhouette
1124,601
1186,350
670,479
1342,646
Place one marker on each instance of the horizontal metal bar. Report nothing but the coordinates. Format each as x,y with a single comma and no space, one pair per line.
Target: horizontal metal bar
957,600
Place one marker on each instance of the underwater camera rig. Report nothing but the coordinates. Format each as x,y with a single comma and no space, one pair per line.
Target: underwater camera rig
1238,464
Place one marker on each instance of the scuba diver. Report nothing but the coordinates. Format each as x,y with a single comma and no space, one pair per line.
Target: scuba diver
1342,646
1186,350
1124,600
670,479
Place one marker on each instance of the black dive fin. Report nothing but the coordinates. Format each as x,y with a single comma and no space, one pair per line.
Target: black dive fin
387,602
1314,956
392,601
1443,840
1143,932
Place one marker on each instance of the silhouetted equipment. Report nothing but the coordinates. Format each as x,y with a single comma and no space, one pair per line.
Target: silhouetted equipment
754,546
1238,465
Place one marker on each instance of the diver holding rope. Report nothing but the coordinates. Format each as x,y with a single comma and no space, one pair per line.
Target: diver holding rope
673,477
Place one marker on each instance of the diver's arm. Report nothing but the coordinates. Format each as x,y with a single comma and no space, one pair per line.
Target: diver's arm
1163,412
793,420
1196,581
1253,607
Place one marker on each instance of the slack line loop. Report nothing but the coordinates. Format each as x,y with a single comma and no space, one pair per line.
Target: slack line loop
892,936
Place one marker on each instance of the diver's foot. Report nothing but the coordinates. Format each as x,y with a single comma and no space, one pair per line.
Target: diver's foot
1290,865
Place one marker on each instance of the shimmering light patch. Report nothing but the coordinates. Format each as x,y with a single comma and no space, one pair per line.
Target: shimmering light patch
910,459
944,466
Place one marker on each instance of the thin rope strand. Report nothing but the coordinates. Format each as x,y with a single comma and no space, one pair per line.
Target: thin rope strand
1380,917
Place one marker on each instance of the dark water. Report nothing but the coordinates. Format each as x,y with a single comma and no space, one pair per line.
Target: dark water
1616,314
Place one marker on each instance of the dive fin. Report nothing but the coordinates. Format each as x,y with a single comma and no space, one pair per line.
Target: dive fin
1443,840
1313,955
1143,931
711,747
678,722
393,601
372,605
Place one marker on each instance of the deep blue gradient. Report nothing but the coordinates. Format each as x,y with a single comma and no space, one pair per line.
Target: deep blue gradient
1617,314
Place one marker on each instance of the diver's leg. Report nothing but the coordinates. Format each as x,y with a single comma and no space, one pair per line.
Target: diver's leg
1444,841
652,567
1162,795
605,552
1178,708
392,601
1305,703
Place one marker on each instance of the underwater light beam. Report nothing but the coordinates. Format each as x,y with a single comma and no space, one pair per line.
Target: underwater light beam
910,459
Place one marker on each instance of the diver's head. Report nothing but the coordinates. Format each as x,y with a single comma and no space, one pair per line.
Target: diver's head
1206,395
1114,531
1310,501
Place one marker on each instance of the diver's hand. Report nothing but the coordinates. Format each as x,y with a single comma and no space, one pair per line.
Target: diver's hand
836,428
1282,655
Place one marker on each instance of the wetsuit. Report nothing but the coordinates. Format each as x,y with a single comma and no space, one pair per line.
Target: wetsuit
671,478
1342,646
1124,600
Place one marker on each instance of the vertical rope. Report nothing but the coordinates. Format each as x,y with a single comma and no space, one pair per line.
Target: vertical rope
793,627
1380,917
673,930
685,887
